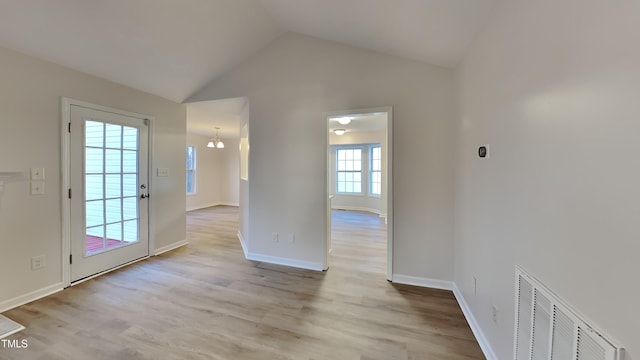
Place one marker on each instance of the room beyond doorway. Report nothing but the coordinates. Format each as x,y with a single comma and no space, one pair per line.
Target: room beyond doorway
213,170
358,153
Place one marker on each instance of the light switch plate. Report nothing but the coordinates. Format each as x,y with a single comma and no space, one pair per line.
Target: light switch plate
37,173
163,172
37,188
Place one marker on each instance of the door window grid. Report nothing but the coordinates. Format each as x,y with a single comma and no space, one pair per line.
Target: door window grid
376,171
111,182
191,170
349,171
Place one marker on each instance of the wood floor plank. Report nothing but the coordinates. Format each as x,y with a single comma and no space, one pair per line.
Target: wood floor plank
205,301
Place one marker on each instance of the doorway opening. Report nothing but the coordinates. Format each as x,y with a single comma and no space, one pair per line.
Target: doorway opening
359,211
213,152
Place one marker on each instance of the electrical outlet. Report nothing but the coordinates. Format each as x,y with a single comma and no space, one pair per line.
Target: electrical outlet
37,173
37,188
274,237
292,238
37,262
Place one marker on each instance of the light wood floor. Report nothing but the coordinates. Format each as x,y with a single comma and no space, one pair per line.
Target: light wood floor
205,301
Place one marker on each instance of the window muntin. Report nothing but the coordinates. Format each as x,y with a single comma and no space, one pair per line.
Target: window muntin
349,171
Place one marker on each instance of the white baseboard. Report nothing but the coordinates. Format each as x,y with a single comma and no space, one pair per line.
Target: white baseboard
200,207
356,208
29,297
384,216
285,261
424,282
450,285
473,324
203,206
170,247
276,259
244,245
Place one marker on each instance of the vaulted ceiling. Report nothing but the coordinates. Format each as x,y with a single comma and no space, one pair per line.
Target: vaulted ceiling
173,48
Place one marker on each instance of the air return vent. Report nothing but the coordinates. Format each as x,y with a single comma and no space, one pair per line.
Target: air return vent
547,329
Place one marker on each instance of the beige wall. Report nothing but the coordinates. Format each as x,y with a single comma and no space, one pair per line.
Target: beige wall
553,87
290,84
30,101
217,173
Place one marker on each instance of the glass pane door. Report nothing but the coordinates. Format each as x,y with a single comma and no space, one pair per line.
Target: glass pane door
108,190
111,186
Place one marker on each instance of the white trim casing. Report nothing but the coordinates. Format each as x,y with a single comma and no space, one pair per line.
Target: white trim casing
475,327
29,297
151,181
65,184
388,219
424,282
326,204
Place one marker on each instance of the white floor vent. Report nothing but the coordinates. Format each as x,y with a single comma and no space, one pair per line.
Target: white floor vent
547,329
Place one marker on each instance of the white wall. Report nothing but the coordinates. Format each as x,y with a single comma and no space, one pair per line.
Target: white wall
217,173
290,84
554,87
30,99
231,166
360,202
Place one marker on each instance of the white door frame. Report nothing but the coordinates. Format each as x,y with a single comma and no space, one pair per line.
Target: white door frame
66,178
389,185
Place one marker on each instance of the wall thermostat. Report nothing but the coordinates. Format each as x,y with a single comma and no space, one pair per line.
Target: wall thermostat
483,151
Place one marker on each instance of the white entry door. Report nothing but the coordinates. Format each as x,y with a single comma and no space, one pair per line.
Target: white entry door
109,190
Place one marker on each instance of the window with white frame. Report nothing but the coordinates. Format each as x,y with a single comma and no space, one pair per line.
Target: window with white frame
375,171
191,170
349,171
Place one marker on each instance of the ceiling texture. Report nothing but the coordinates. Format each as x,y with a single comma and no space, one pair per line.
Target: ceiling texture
174,48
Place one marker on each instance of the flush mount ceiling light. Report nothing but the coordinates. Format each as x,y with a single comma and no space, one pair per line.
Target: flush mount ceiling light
339,131
345,120
216,142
